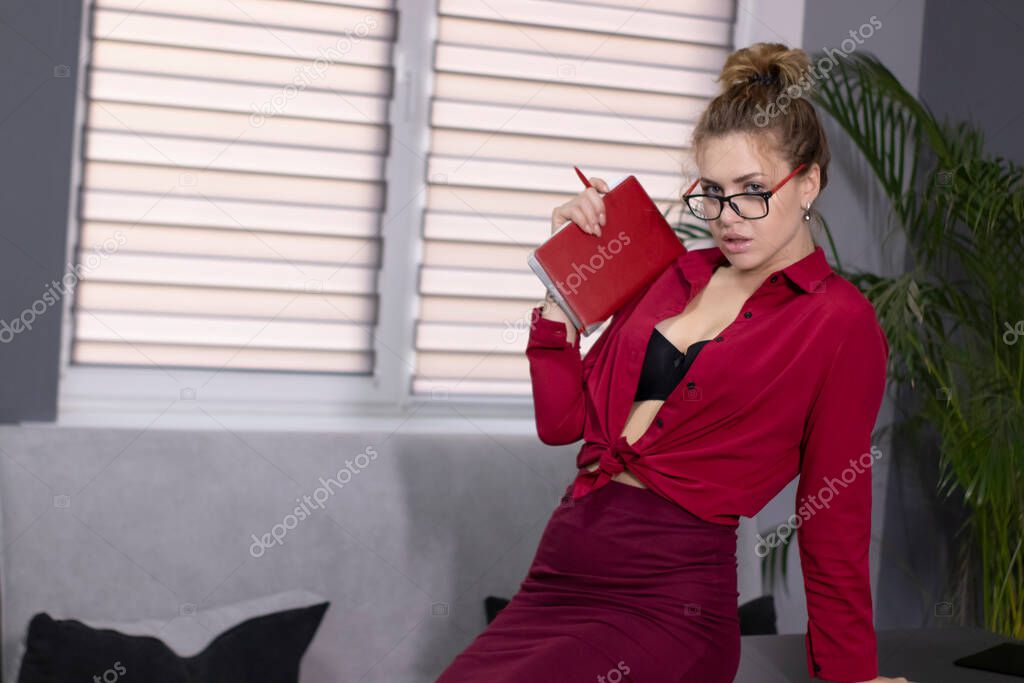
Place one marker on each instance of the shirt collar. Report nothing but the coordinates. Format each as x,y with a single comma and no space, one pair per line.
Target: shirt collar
808,273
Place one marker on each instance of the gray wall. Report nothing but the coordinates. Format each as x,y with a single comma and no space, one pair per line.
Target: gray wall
970,69
38,80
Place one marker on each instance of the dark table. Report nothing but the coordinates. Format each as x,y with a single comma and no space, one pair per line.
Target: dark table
922,655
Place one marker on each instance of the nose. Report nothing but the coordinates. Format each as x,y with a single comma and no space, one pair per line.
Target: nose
729,216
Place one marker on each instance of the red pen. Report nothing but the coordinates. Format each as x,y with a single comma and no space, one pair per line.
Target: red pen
582,177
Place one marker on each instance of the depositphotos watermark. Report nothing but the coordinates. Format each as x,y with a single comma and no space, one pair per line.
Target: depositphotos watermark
811,505
616,674
60,288
112,674
605,252
514,329
818,71
306,74
1013,333
580,274
302,511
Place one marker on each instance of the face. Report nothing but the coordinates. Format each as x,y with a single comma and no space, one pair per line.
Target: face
733,163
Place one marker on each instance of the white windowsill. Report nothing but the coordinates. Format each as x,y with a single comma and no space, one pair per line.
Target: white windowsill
201,416
211,400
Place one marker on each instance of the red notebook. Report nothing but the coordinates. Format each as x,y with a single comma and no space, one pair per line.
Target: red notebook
592,277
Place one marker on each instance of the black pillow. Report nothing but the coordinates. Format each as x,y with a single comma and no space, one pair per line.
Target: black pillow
757,617
266,648
493,605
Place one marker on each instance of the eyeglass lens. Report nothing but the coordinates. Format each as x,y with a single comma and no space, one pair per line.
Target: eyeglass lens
750,206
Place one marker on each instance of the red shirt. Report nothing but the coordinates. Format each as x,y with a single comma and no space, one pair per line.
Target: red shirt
791,387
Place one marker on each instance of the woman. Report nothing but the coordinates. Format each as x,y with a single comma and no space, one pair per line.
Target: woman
784,364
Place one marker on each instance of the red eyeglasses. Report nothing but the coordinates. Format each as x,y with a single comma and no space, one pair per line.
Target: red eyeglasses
746,204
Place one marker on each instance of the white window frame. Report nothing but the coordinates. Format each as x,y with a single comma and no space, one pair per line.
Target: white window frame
136,397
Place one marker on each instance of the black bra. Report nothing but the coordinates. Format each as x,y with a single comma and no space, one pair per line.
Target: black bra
664,367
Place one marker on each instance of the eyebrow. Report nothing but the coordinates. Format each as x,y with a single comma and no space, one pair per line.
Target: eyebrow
748,176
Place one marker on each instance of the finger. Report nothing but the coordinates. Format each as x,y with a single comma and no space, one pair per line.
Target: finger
600,184
595,201
580,219
558,217
595,206
589,212
562,211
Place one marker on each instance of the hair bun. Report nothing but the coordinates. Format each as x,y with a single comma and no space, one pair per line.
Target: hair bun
764,64
763,79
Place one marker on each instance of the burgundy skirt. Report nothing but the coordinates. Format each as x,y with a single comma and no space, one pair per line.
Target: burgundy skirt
626,585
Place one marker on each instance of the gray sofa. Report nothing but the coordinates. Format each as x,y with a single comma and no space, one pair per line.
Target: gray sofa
109,525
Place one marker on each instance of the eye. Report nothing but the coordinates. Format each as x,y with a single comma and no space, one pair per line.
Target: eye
751,187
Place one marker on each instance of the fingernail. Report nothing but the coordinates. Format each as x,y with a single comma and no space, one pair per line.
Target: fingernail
602,218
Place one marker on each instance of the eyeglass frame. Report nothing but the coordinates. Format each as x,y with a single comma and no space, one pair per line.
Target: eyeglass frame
723,199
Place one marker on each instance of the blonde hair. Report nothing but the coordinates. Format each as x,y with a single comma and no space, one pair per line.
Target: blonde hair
762,95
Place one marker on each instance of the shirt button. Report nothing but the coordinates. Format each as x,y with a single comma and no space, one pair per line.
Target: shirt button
747,314
718,339
774,278
658,422
691,385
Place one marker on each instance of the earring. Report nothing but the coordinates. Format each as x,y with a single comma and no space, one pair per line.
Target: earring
807,212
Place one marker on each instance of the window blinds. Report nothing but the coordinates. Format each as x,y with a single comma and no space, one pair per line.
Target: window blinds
523,90
232,184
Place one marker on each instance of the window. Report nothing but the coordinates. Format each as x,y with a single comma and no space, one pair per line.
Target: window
523,90
348,190
232,184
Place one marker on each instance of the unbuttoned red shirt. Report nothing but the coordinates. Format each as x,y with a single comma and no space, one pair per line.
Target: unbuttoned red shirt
791,387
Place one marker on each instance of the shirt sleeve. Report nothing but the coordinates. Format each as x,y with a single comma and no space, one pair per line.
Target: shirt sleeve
834,504
557,372
556,375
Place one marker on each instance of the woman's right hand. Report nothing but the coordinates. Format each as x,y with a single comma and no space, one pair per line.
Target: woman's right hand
585,209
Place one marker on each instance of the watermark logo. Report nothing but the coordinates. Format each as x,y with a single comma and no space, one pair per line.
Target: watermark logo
308,74
581,273
616,674
817,72
306,504
60,288
1014,333
112,674
826,494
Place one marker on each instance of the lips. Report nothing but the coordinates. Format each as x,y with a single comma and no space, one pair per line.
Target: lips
736,244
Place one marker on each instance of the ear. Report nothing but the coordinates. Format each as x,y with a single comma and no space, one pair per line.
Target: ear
810,184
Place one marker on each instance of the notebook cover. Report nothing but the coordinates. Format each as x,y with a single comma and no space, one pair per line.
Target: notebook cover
1005,658
592,277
